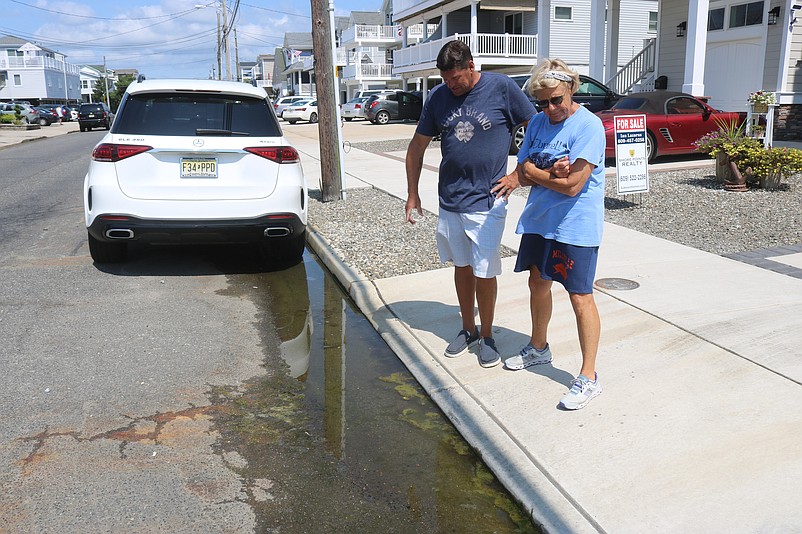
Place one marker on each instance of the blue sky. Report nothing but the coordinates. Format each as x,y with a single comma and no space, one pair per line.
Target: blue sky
160,38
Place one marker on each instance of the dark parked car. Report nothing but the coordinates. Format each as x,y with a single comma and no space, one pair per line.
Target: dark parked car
674,121
64,109
398,105
47,116
95,115
591,93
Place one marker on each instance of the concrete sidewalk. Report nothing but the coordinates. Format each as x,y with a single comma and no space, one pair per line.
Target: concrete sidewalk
700,364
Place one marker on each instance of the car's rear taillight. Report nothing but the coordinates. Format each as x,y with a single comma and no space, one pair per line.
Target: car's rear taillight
357,106
374,104
112,152
279,154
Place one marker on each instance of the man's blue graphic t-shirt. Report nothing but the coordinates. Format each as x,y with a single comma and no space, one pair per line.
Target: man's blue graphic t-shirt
575,220
475,134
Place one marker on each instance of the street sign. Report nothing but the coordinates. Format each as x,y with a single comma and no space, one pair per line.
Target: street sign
630,154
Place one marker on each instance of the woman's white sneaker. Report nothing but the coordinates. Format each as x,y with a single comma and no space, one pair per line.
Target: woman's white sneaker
529,355
582,391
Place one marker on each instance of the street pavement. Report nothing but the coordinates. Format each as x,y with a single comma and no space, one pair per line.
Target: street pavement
696,428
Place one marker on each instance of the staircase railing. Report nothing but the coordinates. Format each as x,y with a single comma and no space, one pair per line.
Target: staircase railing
638,68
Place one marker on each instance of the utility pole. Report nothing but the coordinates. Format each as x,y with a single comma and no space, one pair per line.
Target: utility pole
236,56
327,95
106,78
226,31
219,48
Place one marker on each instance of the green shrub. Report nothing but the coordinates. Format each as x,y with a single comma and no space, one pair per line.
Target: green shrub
6,118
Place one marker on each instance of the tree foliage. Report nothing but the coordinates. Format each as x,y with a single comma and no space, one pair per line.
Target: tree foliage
116,90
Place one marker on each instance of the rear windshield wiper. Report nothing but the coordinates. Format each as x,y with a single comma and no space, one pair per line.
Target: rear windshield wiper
214,131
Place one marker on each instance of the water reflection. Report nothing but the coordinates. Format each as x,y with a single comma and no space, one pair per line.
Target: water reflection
350,425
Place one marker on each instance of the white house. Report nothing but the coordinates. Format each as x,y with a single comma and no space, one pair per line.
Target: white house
36,74
510,35
726,49
90,77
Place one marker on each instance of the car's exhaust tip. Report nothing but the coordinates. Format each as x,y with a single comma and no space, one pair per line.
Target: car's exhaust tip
119,233
277,231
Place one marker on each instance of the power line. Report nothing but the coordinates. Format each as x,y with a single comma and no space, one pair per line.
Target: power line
180,13
279,12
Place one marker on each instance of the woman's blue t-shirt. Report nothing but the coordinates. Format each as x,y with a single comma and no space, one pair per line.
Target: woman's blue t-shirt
475,134
575,220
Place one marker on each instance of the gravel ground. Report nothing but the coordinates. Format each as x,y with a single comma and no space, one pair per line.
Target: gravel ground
687,206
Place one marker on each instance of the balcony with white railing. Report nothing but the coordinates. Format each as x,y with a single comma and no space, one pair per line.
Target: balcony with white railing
376,71
366,33
487,47
37,63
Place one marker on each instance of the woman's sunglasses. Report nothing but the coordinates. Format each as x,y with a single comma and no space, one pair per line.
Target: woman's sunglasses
554,101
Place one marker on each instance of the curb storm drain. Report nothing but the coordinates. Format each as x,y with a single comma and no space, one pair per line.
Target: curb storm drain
617,283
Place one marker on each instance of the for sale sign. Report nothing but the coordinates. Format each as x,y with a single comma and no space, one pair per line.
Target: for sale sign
630,154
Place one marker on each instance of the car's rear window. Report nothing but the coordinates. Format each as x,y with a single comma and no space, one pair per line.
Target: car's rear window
186,114
89,108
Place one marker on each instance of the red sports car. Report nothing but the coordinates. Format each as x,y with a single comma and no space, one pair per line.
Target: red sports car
673,121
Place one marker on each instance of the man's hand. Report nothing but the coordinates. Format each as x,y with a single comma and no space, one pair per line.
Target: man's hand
413,203
506,185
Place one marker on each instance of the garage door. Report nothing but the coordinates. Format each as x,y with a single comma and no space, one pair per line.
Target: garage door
732,71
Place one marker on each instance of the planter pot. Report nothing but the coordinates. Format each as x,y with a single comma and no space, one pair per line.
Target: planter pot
736,181
771,181
757,107
723,172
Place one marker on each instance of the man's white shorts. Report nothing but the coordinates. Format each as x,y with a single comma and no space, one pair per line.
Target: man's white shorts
473,239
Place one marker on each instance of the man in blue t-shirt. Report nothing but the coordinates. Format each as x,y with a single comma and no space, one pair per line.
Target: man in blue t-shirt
475,114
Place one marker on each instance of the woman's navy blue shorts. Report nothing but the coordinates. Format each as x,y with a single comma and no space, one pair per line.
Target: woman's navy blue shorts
572,266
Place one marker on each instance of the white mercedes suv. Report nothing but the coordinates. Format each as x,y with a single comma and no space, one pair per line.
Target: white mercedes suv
195,161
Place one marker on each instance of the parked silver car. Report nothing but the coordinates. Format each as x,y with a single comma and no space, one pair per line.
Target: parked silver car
354,108
28,114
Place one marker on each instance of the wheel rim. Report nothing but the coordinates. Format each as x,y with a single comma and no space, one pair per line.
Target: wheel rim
519,134
383,117
313,117
651,149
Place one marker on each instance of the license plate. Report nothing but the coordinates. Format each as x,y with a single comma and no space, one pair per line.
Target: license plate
198,167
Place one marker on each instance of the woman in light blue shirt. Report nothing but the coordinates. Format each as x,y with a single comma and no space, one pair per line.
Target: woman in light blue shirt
562,159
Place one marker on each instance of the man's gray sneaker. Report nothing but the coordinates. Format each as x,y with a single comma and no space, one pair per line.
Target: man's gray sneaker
462,343
488,355
529,355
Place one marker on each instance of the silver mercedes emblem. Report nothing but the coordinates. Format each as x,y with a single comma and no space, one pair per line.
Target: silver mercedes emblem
197,142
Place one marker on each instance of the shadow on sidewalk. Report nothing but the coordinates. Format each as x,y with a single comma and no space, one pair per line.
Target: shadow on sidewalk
443,321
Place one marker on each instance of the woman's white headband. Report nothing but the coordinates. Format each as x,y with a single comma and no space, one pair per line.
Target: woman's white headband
557,75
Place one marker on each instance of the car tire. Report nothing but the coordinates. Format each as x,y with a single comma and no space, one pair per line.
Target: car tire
82,128
43,122
103,252
313,118
517,139
291,121
382,117
651,147
349,119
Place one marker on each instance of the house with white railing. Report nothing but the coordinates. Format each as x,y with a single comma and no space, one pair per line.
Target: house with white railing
36,74
368,43
510,36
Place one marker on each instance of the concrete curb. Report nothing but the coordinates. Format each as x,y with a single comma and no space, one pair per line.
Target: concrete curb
548,506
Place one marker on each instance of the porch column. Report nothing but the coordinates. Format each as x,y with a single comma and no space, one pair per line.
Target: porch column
425,87
696,48
404,37
543,29
443,24
596,66
613,29
474,25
